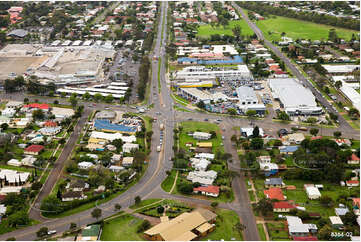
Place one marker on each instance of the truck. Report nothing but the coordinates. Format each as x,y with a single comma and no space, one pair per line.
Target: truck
158,148
161,126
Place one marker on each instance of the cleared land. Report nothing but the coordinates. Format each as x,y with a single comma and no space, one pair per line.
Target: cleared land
205,31
123,228
273,27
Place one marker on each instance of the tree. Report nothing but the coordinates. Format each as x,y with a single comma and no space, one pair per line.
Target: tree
201,105
255,132
324,233
214,204
237,30
314,131
137,200
51,203
251,113
38,114
256,143
96,213
337,134
109,98
264,206
97,97
18,218
62,141
26,100
86,96
43,231
338,84
73,101
185,187
143,226
160,209
283,116
232,111
349,219
36,186
72,226
118,143
117,206
332,35
4,126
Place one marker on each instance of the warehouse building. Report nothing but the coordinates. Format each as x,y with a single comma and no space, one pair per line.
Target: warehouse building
293,97
195,95
339,69
248,100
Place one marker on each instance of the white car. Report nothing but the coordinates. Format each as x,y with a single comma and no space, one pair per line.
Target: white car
50,232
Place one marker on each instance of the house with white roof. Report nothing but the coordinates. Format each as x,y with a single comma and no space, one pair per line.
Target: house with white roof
207,156
28,160
85,165
14,162
202,177
312,192
297,228
129,147
201,135
8,112
200,164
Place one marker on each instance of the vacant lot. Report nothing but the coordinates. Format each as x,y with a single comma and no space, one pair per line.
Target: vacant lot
18,65
273,27
205,31
123,228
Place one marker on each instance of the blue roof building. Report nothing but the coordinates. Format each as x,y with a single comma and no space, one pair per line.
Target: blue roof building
106,125
231,61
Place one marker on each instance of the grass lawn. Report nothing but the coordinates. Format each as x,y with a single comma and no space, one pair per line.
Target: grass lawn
207,30
191,126
225,227
5,228
181,109
145,203
261,232
179,100
123,228
295,29
168,182
355,144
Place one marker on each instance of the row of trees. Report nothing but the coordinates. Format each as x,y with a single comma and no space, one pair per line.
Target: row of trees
143,77
265,9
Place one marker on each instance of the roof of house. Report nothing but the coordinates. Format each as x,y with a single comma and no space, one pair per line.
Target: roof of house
356,201
335,220
180,227
283,204
72,194
352,182
210,189
37,105
305,238
289,148
341,211
50,124
354,158
107,125
273,181
34,148
18,32
274,193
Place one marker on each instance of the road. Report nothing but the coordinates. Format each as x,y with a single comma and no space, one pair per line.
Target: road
344,125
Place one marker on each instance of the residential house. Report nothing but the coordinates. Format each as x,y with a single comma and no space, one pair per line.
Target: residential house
50,131
200,164
2,209
8,112
28,160
73,195
282,207
116,168
207,156
33,149
274,193
274,182
14,162
312,192
14,104
296,138
353,160
205,178
127,161
288,150
297,228
85,165
352,183
77,185
212,191
336,222
185,227
129,147
341,211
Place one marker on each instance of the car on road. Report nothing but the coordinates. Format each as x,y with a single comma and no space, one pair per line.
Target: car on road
190,119
219,120
51,232
206,119
222,137
94,104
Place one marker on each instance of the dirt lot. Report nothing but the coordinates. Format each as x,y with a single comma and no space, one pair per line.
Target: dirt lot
18,65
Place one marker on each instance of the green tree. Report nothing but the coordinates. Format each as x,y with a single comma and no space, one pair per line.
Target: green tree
109,98
338,84
214,204
251,113
43,231
137,200
337,134
256,143
97,97
38,114
232,111
4,126
18,218
264,206
96,213
86,96
314,131
143,226
73,100
51,204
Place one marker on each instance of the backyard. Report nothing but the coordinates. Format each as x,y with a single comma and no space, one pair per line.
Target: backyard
273,27
123,228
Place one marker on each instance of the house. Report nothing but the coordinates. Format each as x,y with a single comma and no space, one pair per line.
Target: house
274,182
50,124
8,112
72,195
207,156
341,211
274,193
14,178
90,233
14,162
185,227
33,149
282,207
353,160
343,142
106,125
264,159
200,164
205,178
336,222
95,147
129,147
312,192
352,183
77,185
10,189
297,228
14,104
288,150
85,165
42,106
127,161
2,209
28,160
212,191
204,144
50,131
201,135
116,158
116,168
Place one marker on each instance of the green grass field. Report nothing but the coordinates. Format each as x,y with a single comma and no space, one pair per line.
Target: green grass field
205,31
145,203
169,181
261,232
225,227
123,228
295,29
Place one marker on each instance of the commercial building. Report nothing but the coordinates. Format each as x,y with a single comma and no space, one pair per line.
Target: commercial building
185,227
196,95
241,72
352,95
293,97
248,100
340,69
106,125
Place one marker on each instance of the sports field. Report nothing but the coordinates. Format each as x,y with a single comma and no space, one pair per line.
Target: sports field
272,28
207,30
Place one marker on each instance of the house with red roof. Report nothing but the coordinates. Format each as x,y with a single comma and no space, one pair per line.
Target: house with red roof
282,207
352,183
356,203
353,160
212,191
33,149
316,137
274,193
50,124
42,106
